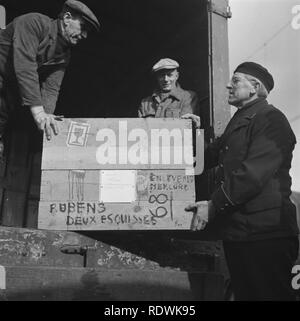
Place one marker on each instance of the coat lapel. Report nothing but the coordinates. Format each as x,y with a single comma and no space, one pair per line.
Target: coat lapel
244,117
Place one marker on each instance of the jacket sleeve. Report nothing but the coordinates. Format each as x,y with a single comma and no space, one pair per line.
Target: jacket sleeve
270,140
145,109
190,104
50,88
140,111
28,34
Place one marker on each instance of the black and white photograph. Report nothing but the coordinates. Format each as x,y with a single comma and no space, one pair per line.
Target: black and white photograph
149,153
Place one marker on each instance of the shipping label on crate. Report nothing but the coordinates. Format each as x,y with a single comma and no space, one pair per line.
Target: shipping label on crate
111,174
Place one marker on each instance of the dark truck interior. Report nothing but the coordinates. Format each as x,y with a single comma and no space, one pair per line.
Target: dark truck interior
108,76
111,71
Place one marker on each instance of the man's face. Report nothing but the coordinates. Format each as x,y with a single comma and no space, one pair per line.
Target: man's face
75,29
240,90
167,79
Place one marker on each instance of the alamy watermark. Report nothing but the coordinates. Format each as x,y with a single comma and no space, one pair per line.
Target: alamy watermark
121,145
139,146
296,17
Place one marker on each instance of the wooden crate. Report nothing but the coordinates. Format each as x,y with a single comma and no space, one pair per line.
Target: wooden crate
118,174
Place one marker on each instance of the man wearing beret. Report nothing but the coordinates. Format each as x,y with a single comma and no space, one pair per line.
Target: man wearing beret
250,208
168,100
34,54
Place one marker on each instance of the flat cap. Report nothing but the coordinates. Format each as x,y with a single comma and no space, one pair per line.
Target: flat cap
257,71
165,63
85,12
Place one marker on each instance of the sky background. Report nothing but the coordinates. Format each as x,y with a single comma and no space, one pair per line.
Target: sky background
262,31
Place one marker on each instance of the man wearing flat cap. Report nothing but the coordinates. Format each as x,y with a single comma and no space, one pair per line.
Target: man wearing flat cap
34,54
250,208
168,99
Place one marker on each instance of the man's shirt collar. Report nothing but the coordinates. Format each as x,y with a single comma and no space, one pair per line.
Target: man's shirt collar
175,93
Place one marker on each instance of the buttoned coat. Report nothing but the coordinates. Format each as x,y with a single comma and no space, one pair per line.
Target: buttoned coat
253,185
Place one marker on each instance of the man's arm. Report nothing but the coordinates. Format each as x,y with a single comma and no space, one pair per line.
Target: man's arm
190,104
145,109
140,111
50,87
28,34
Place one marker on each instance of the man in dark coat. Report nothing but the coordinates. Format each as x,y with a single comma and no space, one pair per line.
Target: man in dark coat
250,208
34,54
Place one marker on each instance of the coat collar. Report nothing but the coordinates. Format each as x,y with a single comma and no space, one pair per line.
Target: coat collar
243,116
175,93
251,108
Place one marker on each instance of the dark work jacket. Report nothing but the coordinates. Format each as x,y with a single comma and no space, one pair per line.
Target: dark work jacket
175,104
253,185
28,61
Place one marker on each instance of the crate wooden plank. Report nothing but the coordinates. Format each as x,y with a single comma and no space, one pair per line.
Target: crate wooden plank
79,185
120,143
161,213
78,192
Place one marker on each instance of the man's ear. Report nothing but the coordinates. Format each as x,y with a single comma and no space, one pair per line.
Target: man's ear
255,88
67,17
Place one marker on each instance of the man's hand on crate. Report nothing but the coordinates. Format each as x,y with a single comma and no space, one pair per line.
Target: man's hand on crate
45,122
195,119
203,212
